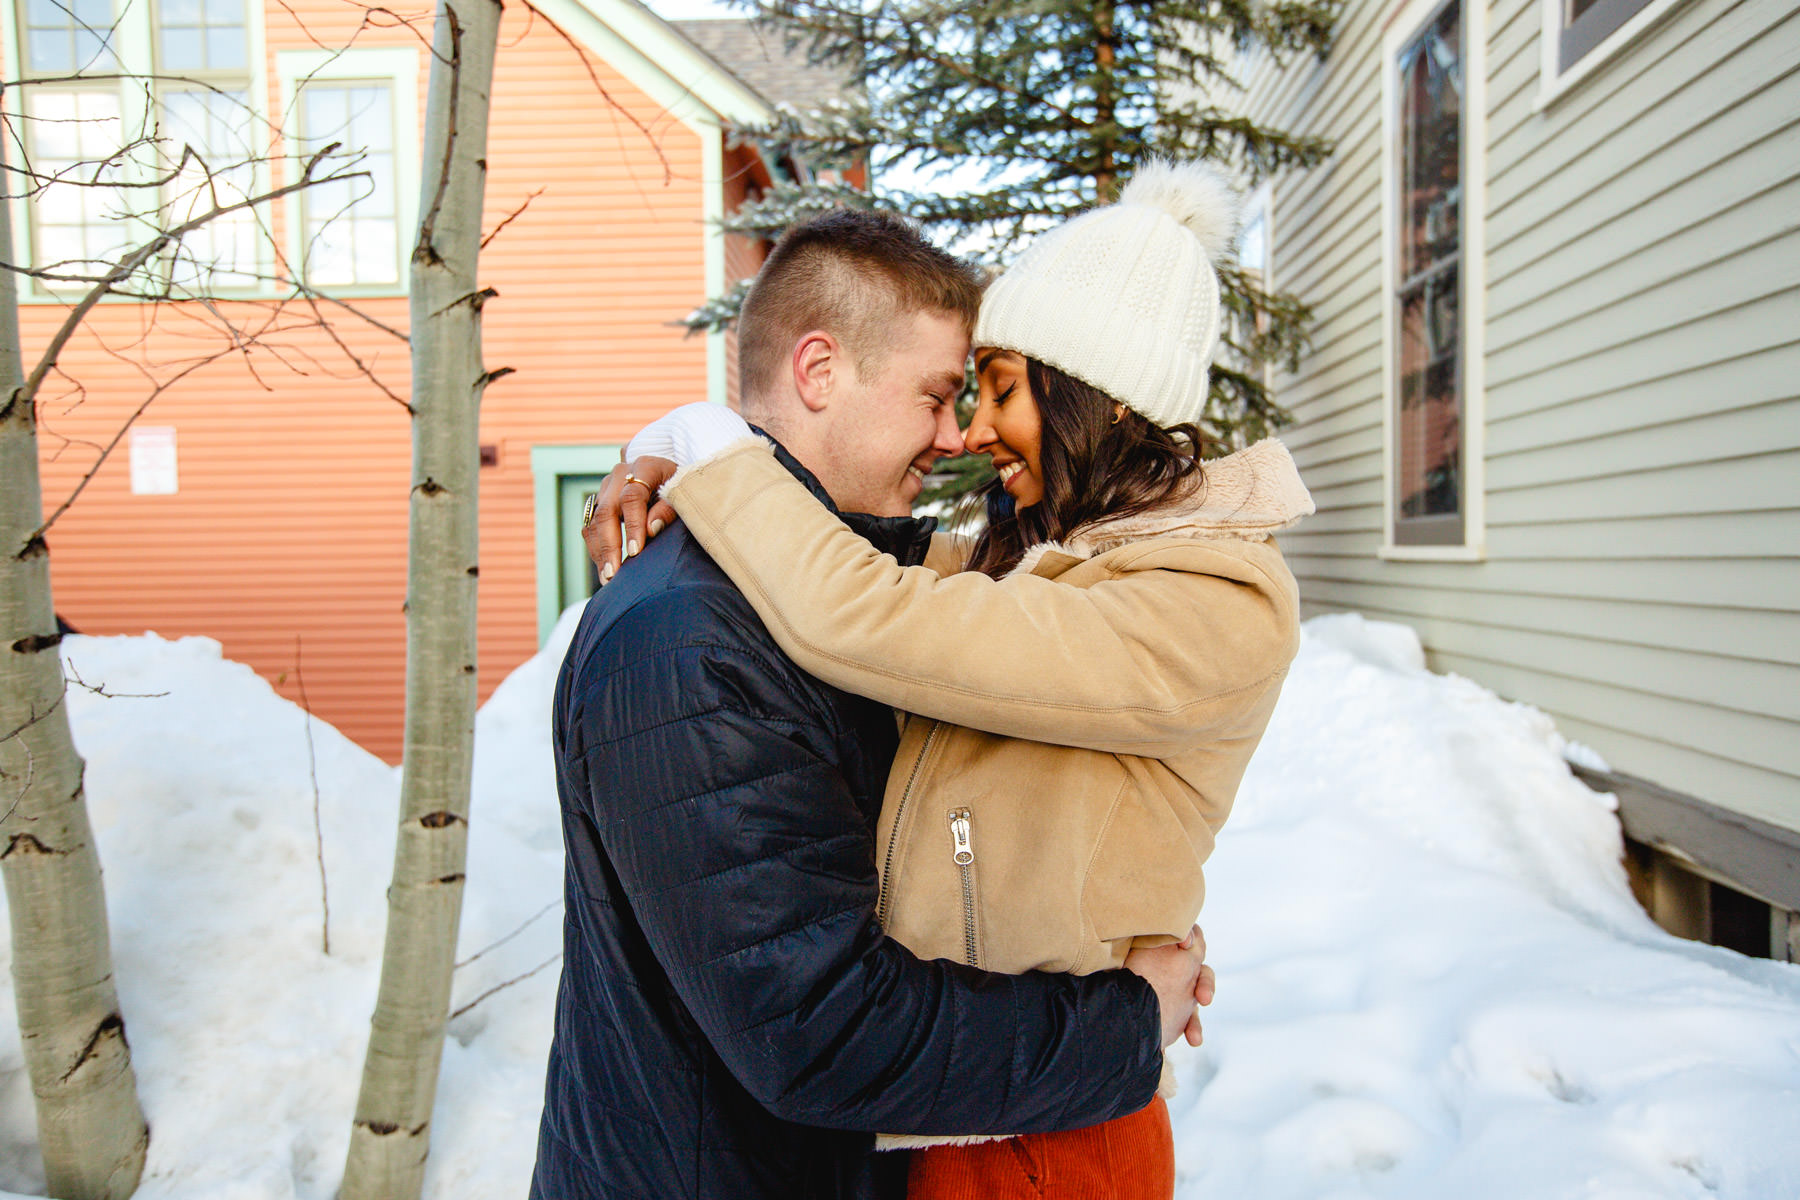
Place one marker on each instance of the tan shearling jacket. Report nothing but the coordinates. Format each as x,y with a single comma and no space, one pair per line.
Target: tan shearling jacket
1076,731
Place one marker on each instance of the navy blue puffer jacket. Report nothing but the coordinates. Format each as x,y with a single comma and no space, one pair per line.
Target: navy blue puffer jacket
731,1021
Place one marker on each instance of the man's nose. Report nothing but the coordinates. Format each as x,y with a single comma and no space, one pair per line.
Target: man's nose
949,439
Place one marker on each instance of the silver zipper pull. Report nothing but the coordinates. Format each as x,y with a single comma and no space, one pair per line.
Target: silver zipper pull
962,851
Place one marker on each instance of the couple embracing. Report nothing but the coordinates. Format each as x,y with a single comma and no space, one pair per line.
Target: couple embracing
884,846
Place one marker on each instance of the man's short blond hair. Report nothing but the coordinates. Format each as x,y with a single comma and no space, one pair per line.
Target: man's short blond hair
850,273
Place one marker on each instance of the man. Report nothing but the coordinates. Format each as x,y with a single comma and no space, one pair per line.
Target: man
732,1023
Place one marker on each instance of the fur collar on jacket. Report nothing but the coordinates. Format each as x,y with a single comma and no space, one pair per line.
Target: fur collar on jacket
1250,494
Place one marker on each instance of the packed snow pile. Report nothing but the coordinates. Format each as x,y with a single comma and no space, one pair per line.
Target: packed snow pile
1433,980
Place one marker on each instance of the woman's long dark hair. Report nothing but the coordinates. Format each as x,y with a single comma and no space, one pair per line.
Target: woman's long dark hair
1091,468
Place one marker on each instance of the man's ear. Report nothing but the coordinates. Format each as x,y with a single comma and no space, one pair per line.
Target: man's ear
818,363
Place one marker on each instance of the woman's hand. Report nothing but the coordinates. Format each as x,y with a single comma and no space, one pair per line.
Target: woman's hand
625,498
1182,979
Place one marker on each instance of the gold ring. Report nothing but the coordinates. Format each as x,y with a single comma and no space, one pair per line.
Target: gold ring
649,492
588,507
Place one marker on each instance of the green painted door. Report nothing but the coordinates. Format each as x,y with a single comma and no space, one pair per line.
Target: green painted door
577,579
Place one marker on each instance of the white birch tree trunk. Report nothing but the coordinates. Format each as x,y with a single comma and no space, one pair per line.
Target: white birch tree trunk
90,1126
391,1134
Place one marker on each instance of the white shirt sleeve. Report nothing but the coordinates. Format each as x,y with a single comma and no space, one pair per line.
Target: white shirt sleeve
689,434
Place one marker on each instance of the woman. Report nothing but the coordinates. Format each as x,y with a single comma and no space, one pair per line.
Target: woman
1087,679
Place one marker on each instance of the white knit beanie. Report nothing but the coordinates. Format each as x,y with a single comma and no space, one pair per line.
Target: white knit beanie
1125,297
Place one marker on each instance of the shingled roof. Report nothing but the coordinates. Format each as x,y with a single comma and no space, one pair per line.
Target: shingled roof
758,54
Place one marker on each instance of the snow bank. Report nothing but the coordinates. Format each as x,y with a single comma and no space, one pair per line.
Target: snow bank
247,1037
1433,980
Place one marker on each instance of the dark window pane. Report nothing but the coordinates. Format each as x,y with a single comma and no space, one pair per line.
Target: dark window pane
1428,371
1431,143
1429,423
1587,23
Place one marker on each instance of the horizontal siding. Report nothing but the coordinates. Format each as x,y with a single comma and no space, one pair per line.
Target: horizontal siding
1642,327
1760,377
287,542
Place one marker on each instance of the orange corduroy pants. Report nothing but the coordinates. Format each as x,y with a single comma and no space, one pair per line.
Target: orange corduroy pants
1129,1158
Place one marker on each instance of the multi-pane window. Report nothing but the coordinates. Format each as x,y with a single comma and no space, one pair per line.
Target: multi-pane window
207,132
207,136
62,37
109,112
71,133
203,36
71,136
350,227
1429,500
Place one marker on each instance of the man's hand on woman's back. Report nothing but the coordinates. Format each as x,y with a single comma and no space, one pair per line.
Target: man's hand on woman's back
1179,973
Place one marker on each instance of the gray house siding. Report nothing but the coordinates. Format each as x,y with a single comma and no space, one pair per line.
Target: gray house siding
1641,441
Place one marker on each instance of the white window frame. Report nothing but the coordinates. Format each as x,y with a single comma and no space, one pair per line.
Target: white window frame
134,45
398,65
1553,80
1403,28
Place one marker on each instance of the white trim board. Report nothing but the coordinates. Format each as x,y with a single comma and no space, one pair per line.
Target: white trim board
1552,85
1405,23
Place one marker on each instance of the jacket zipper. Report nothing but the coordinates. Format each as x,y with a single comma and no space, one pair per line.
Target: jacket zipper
885,896
962,853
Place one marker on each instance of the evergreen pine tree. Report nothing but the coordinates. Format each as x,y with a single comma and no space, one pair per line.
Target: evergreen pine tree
986,120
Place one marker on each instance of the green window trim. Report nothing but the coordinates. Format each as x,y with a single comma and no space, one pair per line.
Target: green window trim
550,465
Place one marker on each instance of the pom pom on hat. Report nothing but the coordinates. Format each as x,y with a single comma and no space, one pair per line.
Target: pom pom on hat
1196,196
1126,296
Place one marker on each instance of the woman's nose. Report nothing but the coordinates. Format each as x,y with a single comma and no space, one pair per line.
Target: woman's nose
979,435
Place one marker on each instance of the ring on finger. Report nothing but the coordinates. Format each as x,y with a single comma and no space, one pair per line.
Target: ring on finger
649,491
588,509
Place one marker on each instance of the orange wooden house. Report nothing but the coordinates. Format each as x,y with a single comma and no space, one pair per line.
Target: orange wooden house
262,499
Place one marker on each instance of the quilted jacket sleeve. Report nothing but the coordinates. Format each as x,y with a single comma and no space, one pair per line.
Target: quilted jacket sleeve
1141,664
749,866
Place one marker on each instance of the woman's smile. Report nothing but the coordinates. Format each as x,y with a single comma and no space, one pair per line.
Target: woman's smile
1006,426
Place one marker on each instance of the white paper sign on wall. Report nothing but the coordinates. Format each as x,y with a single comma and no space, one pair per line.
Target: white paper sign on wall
153,460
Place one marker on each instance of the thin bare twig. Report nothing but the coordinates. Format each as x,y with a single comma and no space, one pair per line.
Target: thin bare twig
367,371
124,268
71,675
501,987
508,219
354,311
509,937
580,53
119,436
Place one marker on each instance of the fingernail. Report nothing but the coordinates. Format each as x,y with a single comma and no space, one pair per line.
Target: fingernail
631,548
656,527
606,574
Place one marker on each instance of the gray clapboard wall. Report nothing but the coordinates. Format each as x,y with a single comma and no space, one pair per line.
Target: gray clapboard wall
1642,435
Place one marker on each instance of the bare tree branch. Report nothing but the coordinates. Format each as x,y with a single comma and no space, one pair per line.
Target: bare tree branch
495,945
508,219
501,987
131,262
